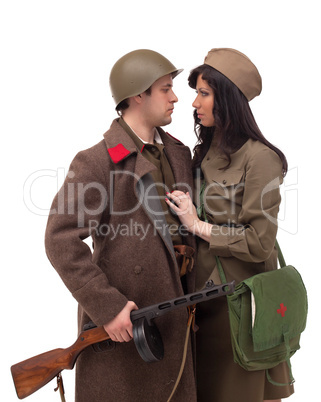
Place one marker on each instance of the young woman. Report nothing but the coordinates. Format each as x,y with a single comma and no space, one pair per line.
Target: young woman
237,174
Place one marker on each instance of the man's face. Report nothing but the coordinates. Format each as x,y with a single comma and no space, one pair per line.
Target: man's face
159,105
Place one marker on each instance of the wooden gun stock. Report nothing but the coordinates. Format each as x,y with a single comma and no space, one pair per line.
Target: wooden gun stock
32,374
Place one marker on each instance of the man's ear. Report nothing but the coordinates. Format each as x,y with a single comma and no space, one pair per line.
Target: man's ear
138,98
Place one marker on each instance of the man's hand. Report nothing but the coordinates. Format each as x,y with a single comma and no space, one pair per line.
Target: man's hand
120,329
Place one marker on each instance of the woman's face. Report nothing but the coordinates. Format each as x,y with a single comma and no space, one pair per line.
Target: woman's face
204,102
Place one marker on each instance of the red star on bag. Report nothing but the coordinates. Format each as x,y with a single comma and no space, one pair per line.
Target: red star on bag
282,309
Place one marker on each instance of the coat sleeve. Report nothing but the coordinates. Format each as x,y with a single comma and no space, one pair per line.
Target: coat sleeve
254,238
75,211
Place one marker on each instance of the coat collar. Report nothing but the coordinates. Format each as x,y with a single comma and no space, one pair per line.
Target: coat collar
120,145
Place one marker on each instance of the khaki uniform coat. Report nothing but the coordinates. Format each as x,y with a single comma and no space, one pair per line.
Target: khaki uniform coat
242,203
108,195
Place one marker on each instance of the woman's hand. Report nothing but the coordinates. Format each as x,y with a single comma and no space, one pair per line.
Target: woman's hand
187,214
184,208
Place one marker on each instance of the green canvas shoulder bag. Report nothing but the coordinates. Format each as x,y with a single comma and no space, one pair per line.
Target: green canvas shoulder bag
267,313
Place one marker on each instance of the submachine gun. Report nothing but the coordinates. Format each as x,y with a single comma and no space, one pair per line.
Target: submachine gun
32,374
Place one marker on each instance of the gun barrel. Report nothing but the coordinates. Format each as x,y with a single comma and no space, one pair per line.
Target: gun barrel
211,291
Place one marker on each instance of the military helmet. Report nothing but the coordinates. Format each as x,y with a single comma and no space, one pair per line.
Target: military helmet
135,72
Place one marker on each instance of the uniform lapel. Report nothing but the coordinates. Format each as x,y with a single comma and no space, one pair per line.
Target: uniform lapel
120,147
177,154
148,196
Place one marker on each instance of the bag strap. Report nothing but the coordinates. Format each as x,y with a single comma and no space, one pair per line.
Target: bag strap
287,359
221,271
280,255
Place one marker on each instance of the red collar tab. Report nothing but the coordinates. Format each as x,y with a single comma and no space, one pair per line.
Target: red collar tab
174,138
118,153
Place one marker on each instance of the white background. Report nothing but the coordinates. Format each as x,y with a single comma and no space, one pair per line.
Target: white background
55,100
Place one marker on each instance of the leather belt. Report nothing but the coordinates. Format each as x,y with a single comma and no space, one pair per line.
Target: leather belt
184,257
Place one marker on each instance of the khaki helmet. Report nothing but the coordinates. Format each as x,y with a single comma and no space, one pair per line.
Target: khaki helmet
135,72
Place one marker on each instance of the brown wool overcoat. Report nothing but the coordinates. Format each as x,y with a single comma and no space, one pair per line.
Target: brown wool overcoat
104,196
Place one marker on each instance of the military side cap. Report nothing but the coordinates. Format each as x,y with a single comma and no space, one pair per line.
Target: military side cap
238,68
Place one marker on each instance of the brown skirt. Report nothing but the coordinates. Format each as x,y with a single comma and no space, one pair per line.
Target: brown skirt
219,378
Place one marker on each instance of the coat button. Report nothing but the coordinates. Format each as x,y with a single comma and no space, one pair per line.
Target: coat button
138,269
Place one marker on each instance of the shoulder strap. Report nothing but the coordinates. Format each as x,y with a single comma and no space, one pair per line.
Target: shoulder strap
221,271
287,359
280,255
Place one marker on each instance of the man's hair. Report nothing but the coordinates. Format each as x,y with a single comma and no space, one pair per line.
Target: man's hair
123,105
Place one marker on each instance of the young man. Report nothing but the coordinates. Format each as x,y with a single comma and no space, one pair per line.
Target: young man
115,193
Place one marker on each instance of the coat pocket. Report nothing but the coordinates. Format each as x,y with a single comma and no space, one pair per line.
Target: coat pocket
223,196
228,178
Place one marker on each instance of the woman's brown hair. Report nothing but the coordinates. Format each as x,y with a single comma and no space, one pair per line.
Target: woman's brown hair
234,121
